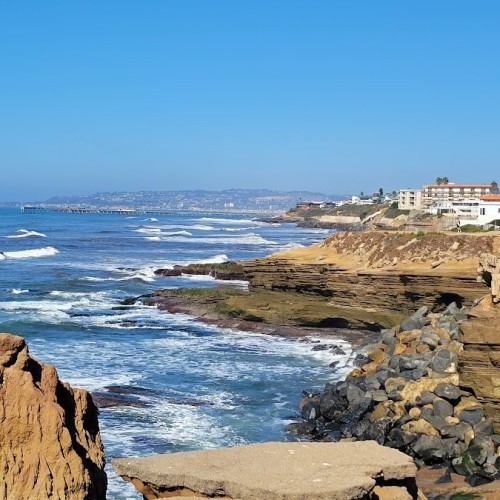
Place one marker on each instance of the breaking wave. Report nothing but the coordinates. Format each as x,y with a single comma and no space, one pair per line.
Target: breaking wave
29,254
24,233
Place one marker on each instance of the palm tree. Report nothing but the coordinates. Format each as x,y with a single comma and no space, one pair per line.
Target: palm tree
442,180
494,187
380,192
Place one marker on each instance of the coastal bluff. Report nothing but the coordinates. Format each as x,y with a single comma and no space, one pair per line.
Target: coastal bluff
49,433
379,277
275,471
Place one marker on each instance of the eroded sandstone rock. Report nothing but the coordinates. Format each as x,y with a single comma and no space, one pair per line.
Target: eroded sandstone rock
50,446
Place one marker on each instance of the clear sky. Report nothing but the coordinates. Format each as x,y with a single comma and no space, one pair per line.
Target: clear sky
331,96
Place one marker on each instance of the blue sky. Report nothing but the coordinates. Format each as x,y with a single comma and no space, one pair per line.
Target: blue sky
328,96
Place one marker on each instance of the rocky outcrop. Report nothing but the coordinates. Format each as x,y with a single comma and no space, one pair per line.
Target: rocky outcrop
49,434
480,359
269,471
406,393
223,271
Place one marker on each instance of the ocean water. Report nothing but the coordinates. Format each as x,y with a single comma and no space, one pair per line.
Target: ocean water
63,275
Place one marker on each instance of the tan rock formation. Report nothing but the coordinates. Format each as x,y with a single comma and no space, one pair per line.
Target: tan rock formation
268,471
385,275
480,359
50,446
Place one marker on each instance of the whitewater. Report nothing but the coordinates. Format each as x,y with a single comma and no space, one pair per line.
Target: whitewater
194,385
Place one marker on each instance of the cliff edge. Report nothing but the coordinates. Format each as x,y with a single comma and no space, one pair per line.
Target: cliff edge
49,433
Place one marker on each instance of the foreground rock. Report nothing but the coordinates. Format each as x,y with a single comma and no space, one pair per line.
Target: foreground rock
49,434
275,471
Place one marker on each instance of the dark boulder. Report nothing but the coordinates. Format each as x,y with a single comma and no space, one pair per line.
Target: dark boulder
449,392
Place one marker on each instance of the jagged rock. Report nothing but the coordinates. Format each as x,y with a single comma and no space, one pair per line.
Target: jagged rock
49,434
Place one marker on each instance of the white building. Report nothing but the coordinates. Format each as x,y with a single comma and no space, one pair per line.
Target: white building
410,199
489,209
480,212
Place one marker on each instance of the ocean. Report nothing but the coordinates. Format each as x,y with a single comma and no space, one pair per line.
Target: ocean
199,386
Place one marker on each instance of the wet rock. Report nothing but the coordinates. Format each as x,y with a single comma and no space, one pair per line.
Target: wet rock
311,411
332,404
337,351
301,428
320,347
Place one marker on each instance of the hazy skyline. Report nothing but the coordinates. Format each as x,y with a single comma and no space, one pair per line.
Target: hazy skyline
327,96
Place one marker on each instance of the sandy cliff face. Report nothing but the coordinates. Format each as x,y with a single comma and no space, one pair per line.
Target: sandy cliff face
480,359
388,274
49,434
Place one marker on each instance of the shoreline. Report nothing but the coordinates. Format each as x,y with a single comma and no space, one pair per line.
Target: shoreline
204,309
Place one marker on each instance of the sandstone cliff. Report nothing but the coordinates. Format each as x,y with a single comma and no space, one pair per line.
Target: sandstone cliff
49,434
383,274
480,359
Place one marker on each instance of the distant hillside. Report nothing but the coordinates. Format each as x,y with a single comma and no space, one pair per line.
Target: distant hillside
248,199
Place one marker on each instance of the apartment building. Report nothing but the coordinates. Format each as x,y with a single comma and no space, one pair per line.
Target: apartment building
410,199
435,195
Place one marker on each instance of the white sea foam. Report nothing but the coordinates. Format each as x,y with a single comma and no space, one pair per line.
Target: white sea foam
152,219
231,221
244,239
146,274
24,233
236,229
177,233
29,254
153,238
18,291
216,259
148,230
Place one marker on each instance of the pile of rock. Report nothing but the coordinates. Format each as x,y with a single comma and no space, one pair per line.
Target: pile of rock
404,393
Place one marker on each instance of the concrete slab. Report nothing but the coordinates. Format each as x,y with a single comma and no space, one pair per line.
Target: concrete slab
271,471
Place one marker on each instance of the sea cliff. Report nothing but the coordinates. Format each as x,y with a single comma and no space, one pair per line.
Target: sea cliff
49,434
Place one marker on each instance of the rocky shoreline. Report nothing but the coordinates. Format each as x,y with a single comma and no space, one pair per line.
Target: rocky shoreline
405,393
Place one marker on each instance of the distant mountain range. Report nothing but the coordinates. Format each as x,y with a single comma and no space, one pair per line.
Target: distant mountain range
237,199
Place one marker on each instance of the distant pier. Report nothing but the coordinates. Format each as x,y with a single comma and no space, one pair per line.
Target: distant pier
34,209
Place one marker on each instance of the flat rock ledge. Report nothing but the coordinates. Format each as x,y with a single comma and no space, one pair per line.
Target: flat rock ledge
269,471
